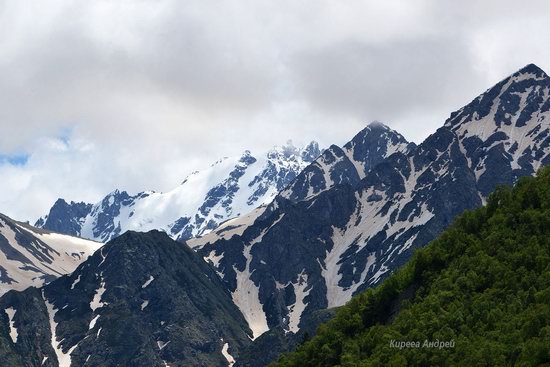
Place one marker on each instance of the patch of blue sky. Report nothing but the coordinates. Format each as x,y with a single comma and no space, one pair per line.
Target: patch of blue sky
15,159
64,134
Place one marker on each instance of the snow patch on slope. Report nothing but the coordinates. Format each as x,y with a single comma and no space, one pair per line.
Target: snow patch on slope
144,304
93,322
296,310
64,359
45,256
342,239
228,229
146,284
228,357
96,301
10,311
246,297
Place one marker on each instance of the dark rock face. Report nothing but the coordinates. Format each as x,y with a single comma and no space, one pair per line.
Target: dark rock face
374,144
142,300
314,248
65,218
33,330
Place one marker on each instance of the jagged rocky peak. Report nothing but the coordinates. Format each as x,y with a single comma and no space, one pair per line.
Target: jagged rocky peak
290,151
65,217
373,144
512,101
246,160
532,69
375,134
116,197
311,152
348,164
375,126
504,132
247,156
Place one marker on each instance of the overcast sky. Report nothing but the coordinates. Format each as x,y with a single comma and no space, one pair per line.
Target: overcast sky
97,95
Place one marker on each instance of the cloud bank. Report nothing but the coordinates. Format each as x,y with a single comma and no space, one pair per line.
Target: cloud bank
97,95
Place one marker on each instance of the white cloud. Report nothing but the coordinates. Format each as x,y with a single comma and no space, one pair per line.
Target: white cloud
151,90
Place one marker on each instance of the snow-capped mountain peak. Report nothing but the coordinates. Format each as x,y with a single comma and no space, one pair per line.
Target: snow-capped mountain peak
230,187
290,152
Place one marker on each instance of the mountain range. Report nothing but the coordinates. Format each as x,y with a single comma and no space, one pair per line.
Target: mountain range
230,187
300,256
321,227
